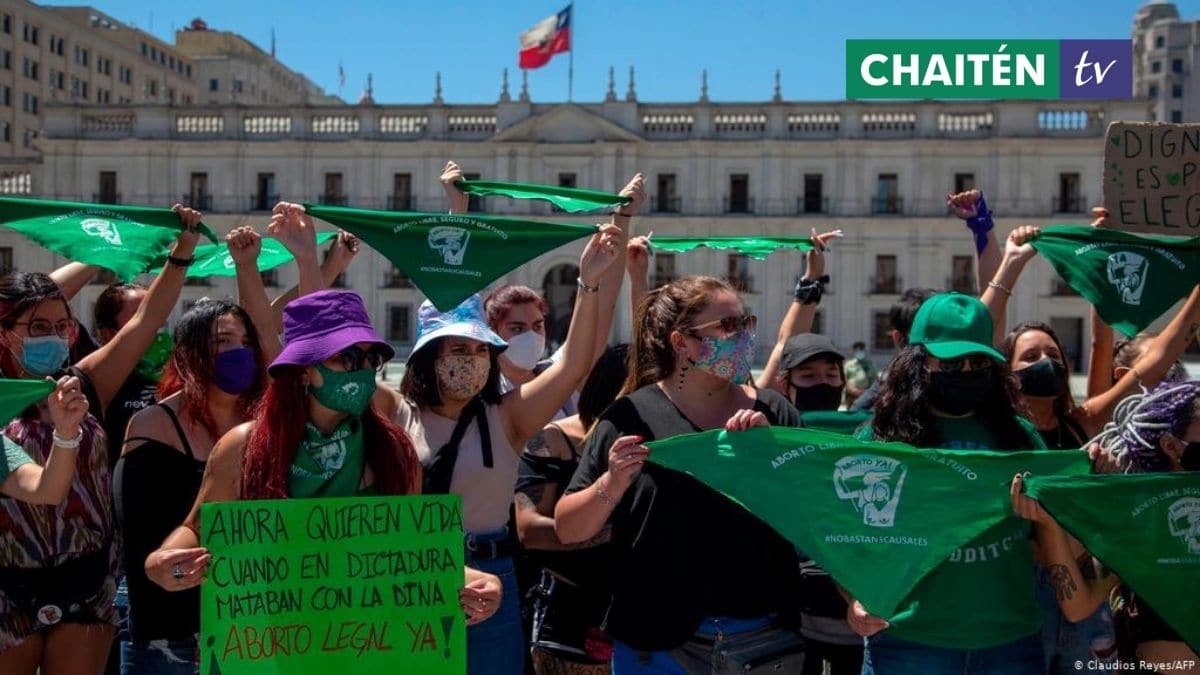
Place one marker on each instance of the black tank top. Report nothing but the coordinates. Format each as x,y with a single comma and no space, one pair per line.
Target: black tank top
154,488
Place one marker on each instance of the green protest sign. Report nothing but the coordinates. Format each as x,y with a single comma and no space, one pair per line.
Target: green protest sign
1130,279
124,239
1152,177
451,257
755,247
1145,527
214,260
363,584
859,507
572,200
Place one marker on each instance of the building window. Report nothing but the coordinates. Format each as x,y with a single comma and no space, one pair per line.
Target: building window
399,318
664,269
265,196
813,200
6,24
214,84
474,202
152,88
1159,41
964,182
5,95
31,34
197,196
126,74
5,132
29,103
81,55
667,198
30,68
189,71
144,49
1177,116
881,332
1153,91
108,188
567,180
27,138
1176,65
57,45
402,192
738,200
396,278
103,65
237,86
887,193
103,96
962,274
1069,200
1156,66
1177,91
737,273
885,280
335,193
5,59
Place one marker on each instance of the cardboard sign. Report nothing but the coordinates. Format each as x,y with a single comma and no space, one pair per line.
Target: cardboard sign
363,584
1152,177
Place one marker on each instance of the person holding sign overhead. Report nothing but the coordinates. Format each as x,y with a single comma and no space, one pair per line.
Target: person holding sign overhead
57,590
322,429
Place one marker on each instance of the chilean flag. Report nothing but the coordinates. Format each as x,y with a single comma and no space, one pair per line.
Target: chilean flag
548,37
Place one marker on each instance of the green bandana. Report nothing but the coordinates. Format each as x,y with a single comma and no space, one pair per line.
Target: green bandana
451,257
151,365
124,239
572,200
214,260
879,517
1130,279
17,395
1145,527
328,466
755,247
836,421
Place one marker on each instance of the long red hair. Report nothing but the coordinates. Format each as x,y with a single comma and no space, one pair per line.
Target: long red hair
280,420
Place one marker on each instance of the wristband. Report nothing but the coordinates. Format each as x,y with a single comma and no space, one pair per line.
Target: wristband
1002,289
809,291
604,496
68,443
585,288
181,262
981,223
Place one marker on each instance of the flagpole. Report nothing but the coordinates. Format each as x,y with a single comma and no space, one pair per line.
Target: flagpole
571,57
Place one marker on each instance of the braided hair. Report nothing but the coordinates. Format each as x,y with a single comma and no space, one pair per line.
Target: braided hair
1140,422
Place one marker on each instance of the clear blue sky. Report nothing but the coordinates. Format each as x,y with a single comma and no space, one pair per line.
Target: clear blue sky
404,42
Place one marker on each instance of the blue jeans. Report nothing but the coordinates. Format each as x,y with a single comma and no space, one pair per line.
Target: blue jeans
160,657
628,661
1065,643
497,646
887,655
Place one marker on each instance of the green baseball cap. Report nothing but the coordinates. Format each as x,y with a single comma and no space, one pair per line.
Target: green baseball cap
953,325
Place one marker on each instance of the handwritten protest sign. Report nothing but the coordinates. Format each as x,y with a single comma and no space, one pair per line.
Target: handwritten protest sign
1152,177
365,584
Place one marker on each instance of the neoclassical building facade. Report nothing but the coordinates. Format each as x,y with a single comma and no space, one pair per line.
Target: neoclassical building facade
879,172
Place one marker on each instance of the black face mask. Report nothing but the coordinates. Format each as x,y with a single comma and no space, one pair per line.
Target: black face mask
817,397
958,393
1191,456
1046,378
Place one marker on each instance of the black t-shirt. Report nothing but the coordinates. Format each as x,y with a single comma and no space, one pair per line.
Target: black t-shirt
680,551
154,487
137,393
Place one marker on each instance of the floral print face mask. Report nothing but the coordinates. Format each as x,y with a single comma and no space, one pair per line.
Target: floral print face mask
727,358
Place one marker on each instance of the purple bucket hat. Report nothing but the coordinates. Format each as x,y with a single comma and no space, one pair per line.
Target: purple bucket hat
321,324
466,320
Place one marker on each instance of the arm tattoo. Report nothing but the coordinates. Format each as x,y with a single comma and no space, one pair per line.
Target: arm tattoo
524,503
1062,581
533,493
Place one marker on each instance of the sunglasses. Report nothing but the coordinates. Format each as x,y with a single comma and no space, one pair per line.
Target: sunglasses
730,324
977,362
354,358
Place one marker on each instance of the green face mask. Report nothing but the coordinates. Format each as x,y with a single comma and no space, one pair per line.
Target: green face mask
349,392
151,365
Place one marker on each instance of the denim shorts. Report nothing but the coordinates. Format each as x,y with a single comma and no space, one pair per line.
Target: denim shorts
887,655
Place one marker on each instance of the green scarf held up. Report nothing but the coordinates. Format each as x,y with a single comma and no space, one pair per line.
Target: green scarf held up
17,395
1130,279
879,517
755,247
328,466
451,257
214,260
124,239
1144,527
571,200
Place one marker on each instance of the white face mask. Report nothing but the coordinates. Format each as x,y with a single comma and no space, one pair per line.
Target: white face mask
525,350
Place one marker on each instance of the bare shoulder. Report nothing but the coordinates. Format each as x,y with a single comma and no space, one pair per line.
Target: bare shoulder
226,457
150,424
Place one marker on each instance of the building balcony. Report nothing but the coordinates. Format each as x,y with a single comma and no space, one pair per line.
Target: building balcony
887,205
738,205
812,205
198,201
333,199
1068,204
889,285
402,202
666,204
262,202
